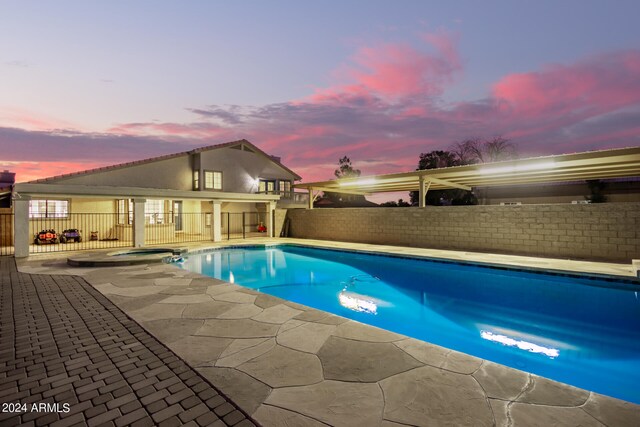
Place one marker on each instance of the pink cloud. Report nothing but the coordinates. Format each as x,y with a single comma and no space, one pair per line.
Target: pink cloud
198,130
590,104
597,84
393,71
29,171
384,110
18,117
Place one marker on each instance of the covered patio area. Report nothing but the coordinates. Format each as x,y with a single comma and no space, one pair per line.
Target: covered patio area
624,162
86,218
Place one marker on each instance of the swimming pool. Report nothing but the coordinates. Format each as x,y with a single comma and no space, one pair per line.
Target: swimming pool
577,330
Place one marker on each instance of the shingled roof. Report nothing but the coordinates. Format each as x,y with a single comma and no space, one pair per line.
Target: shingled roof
165,157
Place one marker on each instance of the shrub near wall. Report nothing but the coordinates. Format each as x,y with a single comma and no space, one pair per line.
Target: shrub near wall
607,231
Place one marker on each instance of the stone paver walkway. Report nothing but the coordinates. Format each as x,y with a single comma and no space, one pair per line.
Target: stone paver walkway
290,365
64,344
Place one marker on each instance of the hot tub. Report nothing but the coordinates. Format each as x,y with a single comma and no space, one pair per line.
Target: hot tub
124,257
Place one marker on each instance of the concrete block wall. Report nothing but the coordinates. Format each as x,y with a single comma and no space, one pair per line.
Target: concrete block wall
278,223
606,232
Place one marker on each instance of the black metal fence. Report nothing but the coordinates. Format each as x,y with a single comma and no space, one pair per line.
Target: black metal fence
6,234
84,231
241,225
184,227
78,231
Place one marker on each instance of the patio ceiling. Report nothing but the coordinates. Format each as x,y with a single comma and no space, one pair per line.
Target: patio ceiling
624,162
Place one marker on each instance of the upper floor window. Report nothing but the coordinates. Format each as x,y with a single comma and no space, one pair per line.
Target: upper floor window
285,187
212,180
196,180
266,186
48,209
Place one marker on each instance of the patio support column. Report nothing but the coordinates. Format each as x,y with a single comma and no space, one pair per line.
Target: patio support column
21,235
138,222
424,188
216,221
271,207
310,198
422,193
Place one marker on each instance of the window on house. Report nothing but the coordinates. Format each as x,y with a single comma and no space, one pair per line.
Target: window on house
285,187
48,209
266,186
125,211
154,211
212,180
196,180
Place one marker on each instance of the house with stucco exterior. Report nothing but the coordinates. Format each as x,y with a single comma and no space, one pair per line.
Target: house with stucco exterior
205,194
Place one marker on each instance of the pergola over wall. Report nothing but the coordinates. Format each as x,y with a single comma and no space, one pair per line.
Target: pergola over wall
615,163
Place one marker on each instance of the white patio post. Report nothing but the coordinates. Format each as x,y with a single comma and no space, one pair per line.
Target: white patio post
310,198
216,221
422,193
21,235
138,222
271,207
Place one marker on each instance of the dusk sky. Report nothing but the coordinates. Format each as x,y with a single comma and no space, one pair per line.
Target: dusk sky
87,84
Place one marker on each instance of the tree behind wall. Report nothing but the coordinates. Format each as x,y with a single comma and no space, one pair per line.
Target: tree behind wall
476,150
596,187
345,170
467,152
399,204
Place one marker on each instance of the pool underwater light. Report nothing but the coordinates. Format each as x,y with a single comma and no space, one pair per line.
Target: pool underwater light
522,345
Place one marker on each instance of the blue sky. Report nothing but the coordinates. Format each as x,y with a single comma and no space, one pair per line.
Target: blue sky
379,81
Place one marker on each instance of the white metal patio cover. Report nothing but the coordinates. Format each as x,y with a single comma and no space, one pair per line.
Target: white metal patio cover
615,163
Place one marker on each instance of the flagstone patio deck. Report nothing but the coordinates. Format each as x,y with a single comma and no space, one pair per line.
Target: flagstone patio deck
63,343
287,364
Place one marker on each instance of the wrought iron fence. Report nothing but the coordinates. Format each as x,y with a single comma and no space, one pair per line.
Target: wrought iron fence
184,227
78,231
241,225
83,231
6,234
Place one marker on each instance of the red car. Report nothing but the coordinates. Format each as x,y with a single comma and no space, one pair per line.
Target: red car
46,236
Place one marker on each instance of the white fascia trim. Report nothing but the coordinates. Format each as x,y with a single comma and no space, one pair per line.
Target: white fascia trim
60,190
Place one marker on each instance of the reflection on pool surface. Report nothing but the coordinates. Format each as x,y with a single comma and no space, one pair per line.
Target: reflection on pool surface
581,331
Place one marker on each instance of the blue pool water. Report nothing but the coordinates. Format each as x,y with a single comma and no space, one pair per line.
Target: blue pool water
580,331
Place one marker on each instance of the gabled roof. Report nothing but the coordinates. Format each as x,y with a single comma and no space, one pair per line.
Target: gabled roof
166,157
614,163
